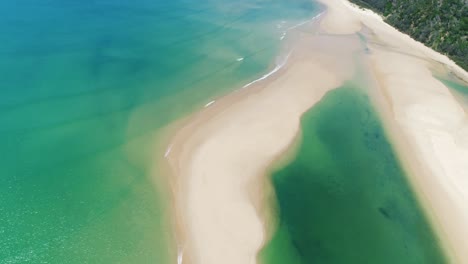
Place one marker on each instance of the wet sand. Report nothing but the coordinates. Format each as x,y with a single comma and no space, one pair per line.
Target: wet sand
427,124
226,147
223,149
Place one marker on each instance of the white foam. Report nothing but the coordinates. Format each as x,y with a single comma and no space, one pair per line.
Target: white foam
280,65
277,68
283,36
180,256
210,103
168,151
305,22
263,77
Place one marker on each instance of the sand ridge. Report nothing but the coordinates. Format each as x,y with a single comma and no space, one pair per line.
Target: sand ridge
427,124
228,144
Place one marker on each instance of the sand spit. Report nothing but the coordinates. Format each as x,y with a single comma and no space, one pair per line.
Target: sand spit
427,124
227,146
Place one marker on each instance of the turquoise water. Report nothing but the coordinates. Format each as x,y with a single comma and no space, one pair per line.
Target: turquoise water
459,90
344,197
84,86
456,86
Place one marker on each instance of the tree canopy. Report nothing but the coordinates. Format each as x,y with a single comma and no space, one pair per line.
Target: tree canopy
439,24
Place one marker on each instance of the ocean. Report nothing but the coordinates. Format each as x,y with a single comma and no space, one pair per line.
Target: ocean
85,88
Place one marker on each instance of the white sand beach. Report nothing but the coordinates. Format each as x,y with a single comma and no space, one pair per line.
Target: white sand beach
225,147
228,145
427,125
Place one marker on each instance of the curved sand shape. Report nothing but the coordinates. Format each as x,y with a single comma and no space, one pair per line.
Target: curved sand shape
428,125
226,146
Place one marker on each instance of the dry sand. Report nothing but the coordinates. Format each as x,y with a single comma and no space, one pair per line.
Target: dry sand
227,146
427,124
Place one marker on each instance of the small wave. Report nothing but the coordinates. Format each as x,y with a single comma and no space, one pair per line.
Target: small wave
281,65
277,68
180,255
210,103
305,22
283,36
168,151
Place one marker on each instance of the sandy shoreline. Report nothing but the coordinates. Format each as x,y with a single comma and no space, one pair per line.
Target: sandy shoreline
228,145
426,123
223,149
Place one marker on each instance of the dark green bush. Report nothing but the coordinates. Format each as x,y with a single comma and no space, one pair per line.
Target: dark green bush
440,24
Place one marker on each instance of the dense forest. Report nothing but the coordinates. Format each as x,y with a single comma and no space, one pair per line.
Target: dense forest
440,24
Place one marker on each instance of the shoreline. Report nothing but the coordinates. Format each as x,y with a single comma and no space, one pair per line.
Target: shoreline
425,123
221,155
212,144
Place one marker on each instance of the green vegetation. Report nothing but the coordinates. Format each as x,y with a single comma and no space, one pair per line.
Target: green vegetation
440,24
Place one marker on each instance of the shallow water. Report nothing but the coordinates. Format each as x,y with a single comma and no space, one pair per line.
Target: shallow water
344,197
84,86
459,90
